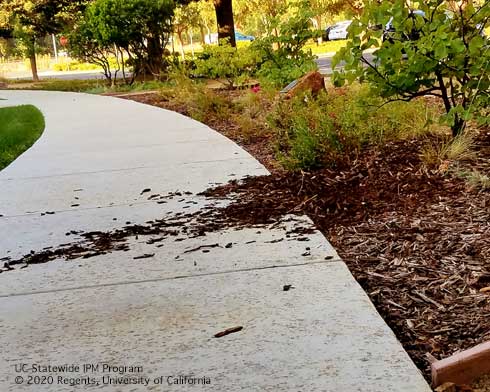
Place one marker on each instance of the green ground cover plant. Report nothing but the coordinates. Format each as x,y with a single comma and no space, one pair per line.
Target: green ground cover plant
90,86
235,65
20,127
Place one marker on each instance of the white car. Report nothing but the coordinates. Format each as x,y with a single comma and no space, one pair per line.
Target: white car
338,30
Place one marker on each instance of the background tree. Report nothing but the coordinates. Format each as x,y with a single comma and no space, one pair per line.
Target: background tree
261,17
207,18
320,9
186,17
137,29
30,20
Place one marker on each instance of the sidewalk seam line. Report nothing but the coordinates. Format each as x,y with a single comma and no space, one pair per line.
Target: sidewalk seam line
81,209
124,283
125,169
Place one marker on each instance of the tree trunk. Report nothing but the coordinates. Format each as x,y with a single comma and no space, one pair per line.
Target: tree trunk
181,41
203,35
191,41
319,27
155,63
224,16
32,60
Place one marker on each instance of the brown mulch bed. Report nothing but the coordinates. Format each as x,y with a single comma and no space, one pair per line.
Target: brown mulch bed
482,384
417,241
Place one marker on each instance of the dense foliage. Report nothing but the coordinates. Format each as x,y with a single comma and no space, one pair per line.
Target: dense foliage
134,29
235,65
440,50
277,58
283,47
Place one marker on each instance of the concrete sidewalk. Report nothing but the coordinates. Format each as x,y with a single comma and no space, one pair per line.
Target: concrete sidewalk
151,322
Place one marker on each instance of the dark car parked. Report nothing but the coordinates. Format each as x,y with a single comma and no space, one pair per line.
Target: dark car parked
389,30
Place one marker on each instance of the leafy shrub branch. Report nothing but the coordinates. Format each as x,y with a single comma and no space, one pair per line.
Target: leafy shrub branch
440,50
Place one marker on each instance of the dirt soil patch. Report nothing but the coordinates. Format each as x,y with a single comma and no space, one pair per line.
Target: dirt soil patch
417,241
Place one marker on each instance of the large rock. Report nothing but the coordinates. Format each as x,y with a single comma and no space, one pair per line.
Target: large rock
313,82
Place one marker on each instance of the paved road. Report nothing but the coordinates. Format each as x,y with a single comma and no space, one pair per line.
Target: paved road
324,62
61,75
142,319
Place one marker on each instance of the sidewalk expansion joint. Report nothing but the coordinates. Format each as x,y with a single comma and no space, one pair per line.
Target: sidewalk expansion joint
131,282
125,169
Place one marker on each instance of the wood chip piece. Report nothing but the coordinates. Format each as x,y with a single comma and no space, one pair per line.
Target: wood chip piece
145,256
228,331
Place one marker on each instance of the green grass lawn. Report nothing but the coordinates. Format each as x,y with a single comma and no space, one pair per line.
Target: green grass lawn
95,86
20,127
326,46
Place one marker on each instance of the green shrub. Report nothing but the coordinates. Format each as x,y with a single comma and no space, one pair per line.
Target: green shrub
283,49
235,65
305,134
364,118
312,133
440,51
